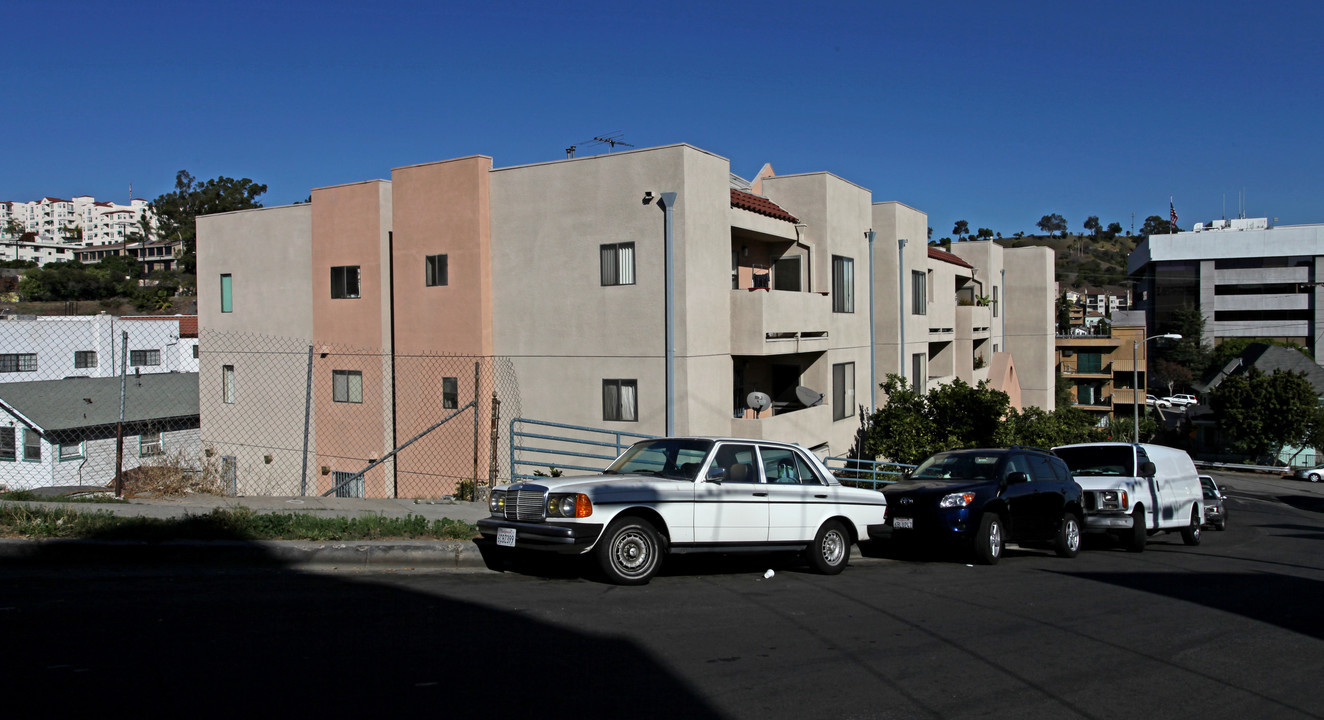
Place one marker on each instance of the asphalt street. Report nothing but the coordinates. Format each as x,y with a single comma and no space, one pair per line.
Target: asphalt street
1228,629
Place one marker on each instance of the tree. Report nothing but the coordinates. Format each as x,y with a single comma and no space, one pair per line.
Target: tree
961,229
1092,225
911,426
177,212
1165,373
1114,229
1052,223
1189,351
1261,413
1063,315
984,234
1155,225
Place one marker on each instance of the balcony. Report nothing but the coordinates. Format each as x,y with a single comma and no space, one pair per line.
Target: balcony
973,321
806,426
778,322
1075,370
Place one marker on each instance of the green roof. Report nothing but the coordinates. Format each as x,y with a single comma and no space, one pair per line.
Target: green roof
88,402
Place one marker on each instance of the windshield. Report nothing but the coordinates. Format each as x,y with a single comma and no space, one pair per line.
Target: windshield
668,457
1099,459
963,465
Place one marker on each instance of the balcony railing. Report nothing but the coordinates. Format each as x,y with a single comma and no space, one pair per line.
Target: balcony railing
1075,369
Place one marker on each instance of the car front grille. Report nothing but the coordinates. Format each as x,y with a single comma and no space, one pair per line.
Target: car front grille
526,503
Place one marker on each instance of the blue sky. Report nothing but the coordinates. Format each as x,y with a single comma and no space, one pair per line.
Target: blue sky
992,112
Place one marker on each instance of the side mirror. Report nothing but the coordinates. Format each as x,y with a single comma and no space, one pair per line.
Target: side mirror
1017,477
715,474
1147,469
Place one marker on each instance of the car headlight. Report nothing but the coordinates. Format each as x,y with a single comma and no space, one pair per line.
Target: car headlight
1113,500
496,503
569,505
957,500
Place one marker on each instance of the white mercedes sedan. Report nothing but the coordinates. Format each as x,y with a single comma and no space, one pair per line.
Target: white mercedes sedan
678,495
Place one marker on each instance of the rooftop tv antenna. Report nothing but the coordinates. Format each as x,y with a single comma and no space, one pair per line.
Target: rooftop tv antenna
611,140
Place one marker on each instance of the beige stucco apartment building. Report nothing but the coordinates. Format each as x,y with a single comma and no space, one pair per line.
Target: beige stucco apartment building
650,291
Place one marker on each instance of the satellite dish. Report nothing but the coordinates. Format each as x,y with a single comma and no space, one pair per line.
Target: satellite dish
807,397
759,401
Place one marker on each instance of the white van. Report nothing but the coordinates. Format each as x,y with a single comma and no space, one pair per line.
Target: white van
1137,490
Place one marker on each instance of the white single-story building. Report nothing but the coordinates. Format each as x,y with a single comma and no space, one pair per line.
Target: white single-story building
56,433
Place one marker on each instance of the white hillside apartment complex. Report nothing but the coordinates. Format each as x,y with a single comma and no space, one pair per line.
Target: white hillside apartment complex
54,229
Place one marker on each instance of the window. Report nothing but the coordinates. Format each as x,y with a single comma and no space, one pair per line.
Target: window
345,281
843,284
348,484
919,292
149,443
618,264
85,359
435,270
843,391
195,352
140,358
31,445
227,384
8,453
227,297
18,362
919,372
347,386
995,301
620,400
450,393
71,451
786,274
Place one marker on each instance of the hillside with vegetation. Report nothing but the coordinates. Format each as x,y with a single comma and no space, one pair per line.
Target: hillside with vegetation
1093,259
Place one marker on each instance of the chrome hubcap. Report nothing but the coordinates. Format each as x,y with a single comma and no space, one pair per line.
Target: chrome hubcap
995,539
1073,535
834,547
632,552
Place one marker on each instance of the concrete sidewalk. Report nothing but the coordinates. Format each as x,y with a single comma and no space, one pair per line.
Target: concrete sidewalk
312,555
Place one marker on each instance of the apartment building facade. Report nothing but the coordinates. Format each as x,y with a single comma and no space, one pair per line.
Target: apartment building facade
1104,369
649,291
1247,278
81,220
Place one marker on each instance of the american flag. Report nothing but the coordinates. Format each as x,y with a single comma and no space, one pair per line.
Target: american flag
1172,214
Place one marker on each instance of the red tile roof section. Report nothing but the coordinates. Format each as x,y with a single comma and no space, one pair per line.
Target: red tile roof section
188,324
760,205
937,254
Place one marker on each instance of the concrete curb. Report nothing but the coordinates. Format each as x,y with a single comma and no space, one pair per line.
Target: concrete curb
377,555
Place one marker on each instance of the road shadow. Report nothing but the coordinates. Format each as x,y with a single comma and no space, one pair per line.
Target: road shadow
1291,603
1309,503
180,636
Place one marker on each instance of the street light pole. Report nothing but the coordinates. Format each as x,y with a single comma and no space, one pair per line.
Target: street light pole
1135,380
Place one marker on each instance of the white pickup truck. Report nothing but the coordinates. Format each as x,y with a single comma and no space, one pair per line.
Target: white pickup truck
1137,490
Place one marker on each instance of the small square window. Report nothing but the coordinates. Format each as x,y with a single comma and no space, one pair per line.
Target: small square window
31,445
345,281
347,386
8,451
436,270
149,443
85,359
617,264
620,400
450,393
71,451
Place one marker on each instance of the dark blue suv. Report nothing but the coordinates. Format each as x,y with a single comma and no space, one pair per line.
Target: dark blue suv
986,498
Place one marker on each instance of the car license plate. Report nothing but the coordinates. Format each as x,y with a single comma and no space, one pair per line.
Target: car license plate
506,537
903,523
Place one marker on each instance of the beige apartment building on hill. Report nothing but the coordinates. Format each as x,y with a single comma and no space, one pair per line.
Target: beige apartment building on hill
649,291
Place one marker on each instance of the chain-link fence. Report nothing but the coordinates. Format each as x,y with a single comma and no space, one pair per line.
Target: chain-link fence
247,414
